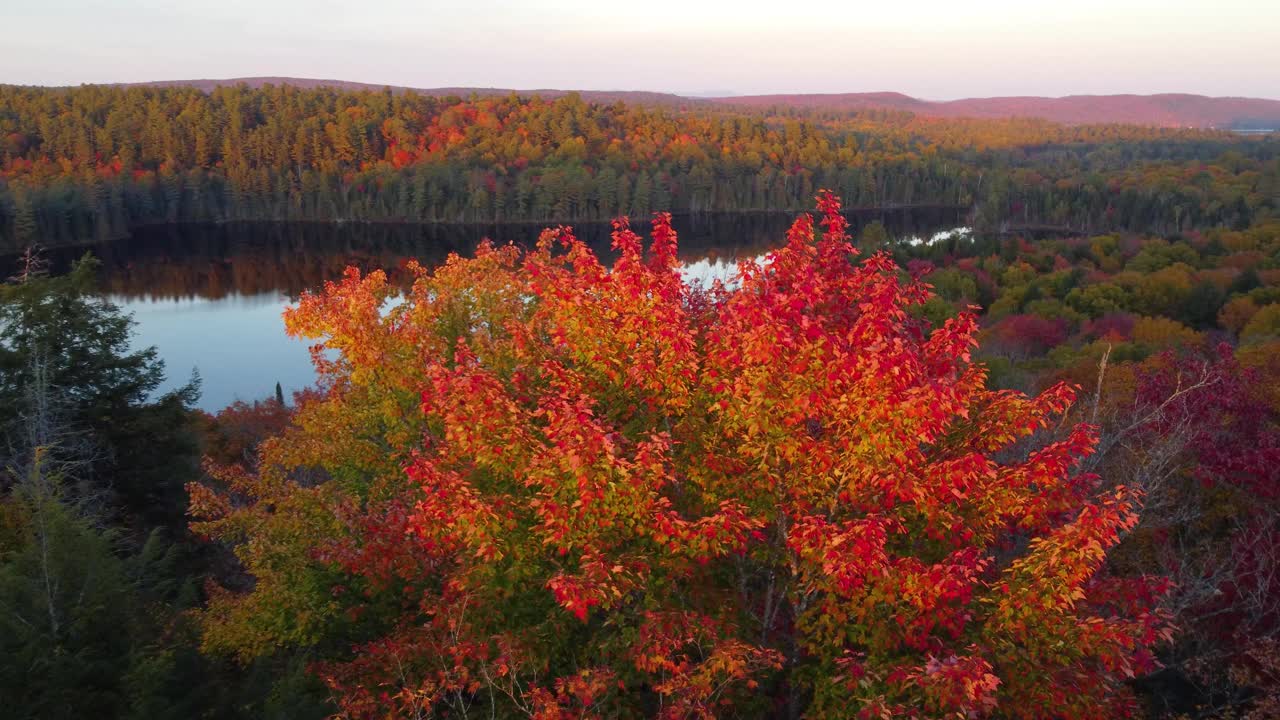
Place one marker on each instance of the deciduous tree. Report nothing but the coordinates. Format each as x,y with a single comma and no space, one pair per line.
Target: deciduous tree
558,489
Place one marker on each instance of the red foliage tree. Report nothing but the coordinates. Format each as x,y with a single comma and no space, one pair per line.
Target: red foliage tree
565,490
1027,335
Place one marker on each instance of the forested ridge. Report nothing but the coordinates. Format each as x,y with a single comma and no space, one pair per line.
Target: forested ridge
89,163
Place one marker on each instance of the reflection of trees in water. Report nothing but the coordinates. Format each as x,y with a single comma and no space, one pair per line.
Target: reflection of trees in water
214,261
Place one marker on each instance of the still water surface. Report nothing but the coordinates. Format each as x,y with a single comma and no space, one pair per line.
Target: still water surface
210,297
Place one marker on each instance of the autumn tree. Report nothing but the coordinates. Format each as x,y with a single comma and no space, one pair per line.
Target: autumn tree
1196,432
538,486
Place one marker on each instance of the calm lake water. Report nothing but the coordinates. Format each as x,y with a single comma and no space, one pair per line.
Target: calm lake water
210,297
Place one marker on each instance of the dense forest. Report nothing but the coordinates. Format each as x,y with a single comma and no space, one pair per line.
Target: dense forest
91,163
997,474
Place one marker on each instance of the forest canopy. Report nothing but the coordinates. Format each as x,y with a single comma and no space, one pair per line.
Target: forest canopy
90,163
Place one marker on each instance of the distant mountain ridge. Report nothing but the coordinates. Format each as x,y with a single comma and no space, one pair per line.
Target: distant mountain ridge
1165,110
1168,110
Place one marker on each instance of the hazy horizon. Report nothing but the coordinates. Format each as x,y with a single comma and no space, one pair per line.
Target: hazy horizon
937,51
692,94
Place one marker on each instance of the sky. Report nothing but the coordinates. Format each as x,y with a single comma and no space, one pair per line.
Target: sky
931,49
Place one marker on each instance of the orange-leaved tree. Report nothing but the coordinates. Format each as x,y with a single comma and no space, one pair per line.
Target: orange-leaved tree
539,486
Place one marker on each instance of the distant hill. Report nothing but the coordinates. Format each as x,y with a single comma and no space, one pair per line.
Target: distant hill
638,97
1167,110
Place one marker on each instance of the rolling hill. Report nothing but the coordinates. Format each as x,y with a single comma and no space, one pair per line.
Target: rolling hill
1169,110
638,97
1166,110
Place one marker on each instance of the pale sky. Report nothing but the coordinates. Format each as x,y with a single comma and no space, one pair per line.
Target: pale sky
934,49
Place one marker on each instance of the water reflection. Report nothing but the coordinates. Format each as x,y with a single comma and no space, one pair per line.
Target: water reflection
724,270
941,236
209,297
236,342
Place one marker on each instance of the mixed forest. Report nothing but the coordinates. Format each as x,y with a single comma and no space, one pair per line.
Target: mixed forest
94,162
1032,471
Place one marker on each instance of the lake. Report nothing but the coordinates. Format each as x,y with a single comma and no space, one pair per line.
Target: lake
210,297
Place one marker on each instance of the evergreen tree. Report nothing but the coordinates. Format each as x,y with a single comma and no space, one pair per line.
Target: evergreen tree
145,448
